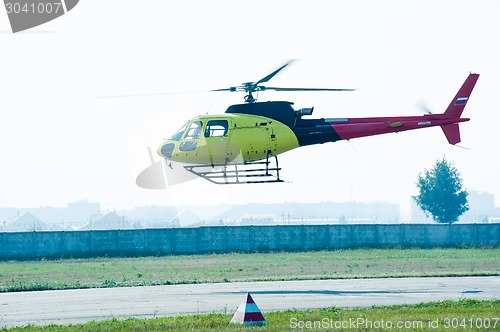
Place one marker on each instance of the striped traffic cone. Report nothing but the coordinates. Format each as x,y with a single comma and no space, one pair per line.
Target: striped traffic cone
248,313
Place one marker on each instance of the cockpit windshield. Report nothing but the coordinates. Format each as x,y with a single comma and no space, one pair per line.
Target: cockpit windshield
178,134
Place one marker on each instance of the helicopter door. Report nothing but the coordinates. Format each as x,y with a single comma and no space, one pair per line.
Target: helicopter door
191,144
217,138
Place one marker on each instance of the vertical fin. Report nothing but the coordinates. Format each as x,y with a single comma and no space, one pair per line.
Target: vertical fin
458,103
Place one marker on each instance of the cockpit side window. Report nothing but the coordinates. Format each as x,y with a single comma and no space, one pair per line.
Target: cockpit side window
194,130
178,134
216,128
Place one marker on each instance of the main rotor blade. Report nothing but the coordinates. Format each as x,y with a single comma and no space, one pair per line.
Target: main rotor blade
301,89
217,90
151,94
231,89
268,77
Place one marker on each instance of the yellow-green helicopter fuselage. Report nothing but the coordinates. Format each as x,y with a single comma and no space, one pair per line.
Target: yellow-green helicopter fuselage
228,138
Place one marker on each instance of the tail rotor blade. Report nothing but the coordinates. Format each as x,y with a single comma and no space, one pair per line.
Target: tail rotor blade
421,105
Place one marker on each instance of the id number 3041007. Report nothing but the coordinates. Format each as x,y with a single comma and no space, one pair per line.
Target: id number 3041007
32,8
473,323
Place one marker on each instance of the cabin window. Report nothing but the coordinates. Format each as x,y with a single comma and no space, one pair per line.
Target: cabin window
194,130
187,146
216,128
178,134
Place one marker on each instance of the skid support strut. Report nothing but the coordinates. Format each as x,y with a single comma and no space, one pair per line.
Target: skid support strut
239,173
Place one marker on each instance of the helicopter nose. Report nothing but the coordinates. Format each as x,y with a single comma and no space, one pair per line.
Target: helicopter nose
167,149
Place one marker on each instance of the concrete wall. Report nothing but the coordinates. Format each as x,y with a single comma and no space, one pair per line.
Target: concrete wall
167,241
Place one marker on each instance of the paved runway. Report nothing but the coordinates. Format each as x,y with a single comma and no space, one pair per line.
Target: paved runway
82,305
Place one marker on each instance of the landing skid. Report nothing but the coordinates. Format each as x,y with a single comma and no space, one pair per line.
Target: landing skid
239,173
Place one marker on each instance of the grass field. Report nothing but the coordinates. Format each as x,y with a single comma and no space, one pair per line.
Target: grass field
463,315
360,263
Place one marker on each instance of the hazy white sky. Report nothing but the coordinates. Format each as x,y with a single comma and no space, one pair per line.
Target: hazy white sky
61,143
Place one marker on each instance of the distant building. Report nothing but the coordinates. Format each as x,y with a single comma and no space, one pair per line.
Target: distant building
108,221
153,216
481,207
314,213
184,218
73,215
81,211
26,223
257,221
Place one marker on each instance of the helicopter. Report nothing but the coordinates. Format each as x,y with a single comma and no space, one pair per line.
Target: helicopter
242,145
